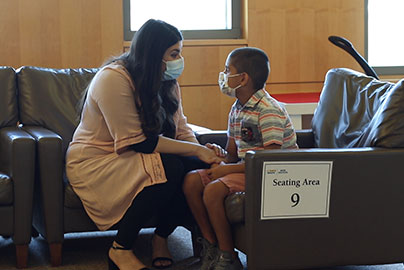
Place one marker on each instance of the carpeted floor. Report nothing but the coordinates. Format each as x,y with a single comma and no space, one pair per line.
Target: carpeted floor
88,251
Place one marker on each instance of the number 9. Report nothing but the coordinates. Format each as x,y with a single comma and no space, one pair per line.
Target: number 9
295,198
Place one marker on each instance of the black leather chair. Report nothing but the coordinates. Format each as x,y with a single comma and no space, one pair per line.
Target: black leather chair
17,159
48,101
358,125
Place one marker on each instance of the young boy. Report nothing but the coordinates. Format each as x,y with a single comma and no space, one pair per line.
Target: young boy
256,122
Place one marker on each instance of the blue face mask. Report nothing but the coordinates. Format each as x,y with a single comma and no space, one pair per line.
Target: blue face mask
174,69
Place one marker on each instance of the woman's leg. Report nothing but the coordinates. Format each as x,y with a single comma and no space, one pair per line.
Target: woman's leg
147,204
141,211
166,223
176,212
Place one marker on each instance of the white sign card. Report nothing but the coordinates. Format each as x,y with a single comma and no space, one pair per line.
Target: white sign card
296,189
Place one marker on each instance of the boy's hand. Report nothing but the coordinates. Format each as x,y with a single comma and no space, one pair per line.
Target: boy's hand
217,171
219,151
213,165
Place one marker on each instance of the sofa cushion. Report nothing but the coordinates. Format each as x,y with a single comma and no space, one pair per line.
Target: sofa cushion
8,97
71,198
50,97
6,190
387,126
348,102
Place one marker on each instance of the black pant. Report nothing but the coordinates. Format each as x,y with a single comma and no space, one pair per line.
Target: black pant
166,202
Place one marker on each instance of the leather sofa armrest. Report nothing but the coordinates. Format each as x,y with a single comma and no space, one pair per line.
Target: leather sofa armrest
214,136
17,159
364,210
50,164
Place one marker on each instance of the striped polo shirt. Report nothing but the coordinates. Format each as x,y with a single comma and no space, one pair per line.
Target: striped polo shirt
260,122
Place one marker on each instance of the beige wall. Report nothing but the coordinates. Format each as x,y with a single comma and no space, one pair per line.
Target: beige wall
84,33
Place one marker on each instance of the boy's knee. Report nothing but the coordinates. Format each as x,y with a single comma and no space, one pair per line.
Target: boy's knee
214,194
192,183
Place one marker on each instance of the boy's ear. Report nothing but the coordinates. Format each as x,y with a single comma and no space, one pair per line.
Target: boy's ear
244,78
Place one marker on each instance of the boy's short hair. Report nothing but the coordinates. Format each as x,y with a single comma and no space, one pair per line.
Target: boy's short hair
252,61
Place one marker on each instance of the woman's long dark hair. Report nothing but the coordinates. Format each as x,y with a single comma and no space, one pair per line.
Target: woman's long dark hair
156,100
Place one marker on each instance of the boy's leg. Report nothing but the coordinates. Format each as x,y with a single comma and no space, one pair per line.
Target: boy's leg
194,190
213,197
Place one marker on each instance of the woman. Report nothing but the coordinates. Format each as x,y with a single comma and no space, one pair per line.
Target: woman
132,148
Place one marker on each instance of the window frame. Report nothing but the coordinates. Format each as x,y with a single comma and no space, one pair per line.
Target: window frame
233,33
380,70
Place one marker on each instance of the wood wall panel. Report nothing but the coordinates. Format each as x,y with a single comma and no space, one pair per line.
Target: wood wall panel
9,29
60,34
206,106
203,64
39,32
294,33
285,88
85,33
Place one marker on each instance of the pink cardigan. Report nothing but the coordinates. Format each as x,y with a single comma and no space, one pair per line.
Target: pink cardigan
105,176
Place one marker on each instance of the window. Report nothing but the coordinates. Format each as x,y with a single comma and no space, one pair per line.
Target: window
197,19
384,40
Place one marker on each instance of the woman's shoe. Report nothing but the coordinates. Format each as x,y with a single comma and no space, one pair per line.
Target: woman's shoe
158,259
113,266
161,259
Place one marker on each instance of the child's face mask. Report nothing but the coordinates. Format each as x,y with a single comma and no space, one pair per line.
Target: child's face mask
174,69
224,86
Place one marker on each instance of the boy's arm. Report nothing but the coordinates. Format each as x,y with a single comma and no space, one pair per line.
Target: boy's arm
231,149
271,123
225,169
272,146
230,165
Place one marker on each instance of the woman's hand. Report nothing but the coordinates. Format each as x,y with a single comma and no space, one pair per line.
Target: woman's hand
207,155
219,151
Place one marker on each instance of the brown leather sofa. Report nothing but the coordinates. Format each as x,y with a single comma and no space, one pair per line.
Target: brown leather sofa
17,160
48,100
359,126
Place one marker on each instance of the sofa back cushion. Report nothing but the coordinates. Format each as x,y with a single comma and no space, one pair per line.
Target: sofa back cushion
8,97
386,129
50,97
348,102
